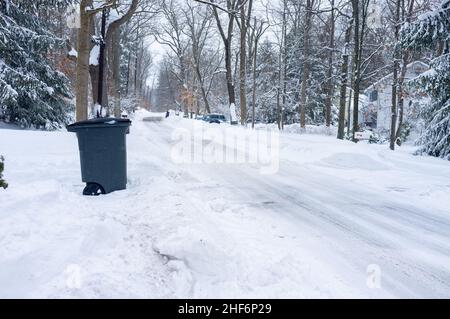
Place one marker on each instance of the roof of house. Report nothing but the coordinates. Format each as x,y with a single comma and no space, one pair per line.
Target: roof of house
390,75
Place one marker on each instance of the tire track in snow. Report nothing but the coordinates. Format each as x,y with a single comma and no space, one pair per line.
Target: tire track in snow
381,233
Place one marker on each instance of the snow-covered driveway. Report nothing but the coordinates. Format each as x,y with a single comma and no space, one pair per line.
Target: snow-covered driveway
337,220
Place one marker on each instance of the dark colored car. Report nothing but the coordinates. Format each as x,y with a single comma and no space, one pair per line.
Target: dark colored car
215,118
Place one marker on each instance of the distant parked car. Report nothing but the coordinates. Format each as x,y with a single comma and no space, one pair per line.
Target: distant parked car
215,118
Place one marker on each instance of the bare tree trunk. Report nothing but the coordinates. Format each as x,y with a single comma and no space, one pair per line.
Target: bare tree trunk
116,72
255,58
258,30
101,65
282,69
285,66
227,39
401,98
127,85
279,119
359,17
229,74
198,40
242,67
356,63
406,17
349,113
93,72
349,108
197,105
83,48
306,66
330,86
245,21
99,72
136,61
184,84
202,90
113,36
344,83
198,72
395,80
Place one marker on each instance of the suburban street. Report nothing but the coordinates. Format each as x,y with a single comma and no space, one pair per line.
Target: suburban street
336,220
344,225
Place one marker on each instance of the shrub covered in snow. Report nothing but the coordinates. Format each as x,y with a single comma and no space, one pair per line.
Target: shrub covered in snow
3,184
129,104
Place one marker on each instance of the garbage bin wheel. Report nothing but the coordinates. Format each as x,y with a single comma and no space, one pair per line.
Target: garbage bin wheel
93,189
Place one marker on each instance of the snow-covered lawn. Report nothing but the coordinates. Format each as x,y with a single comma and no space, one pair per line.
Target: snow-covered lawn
337,219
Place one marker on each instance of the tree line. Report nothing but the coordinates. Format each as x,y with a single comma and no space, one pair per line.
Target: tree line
293,61
286,62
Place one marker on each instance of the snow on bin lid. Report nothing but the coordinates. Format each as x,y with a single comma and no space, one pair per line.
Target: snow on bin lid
102,121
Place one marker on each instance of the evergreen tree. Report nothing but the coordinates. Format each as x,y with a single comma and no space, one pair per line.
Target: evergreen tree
433,30
315,103
32,91
266,83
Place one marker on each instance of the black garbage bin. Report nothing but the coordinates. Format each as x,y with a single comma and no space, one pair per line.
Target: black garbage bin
103,154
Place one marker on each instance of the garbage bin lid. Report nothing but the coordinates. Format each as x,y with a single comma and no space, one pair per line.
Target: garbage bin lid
99,122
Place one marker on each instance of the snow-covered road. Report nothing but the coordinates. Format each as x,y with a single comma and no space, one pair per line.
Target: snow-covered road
336,220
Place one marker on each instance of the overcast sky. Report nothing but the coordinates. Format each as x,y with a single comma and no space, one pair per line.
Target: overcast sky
158,50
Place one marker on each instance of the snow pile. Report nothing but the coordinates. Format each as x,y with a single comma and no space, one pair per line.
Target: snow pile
73,53
313,229
296,129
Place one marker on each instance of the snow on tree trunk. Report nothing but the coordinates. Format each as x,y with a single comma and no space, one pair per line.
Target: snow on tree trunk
233,114
83,49
344,82
306,65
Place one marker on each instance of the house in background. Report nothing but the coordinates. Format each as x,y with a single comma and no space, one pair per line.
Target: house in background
376,112
376,13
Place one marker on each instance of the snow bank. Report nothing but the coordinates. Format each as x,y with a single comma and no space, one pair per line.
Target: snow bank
296,129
